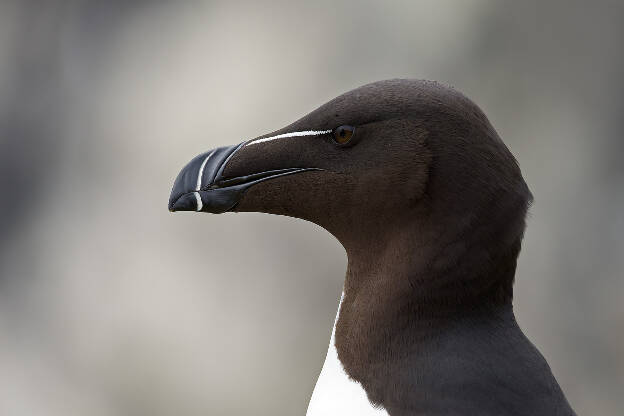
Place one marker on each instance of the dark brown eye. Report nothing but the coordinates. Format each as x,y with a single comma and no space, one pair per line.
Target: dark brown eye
343,134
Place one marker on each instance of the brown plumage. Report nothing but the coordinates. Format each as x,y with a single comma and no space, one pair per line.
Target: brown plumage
430,206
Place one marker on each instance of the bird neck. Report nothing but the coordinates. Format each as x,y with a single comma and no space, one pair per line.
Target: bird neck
415,343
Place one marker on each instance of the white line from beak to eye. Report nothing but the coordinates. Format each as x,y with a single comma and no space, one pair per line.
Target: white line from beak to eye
200,205
201,171
293,134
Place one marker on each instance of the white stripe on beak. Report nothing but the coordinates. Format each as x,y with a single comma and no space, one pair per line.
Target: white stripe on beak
293,134
200,204
201,172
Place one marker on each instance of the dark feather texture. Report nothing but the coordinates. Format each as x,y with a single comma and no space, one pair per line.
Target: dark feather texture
430,206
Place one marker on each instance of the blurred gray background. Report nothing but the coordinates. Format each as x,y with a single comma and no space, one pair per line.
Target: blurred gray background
111,305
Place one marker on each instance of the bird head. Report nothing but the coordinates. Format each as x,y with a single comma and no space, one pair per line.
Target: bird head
393,158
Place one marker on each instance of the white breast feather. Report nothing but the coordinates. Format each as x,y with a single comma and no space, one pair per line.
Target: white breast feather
335,393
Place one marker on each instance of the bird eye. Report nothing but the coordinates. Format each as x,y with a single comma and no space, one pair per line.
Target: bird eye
343,134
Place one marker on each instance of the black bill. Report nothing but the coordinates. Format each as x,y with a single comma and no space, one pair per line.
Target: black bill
201,187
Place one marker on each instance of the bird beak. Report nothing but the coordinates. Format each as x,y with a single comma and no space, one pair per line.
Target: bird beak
201,186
